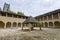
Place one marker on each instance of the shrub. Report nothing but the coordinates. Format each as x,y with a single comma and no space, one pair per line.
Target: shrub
40,24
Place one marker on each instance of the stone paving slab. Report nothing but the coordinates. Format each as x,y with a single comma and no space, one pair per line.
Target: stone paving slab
17,34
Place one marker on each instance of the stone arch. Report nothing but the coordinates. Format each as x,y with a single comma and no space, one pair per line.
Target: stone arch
50,24
19,24
14,24
2,24
8,24
46,24
57,24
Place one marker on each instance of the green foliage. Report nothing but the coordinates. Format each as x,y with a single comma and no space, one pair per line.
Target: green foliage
40,24
11,11
20,13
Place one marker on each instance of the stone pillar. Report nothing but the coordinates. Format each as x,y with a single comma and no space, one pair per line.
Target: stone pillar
39,19
48,24
21,27
52,17
6,14
5,26
43,18
58,16
47,17
12,16
17,16
44,24
11,25
17,25
53,25
25,25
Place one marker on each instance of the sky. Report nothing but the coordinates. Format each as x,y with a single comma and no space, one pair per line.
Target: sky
32,7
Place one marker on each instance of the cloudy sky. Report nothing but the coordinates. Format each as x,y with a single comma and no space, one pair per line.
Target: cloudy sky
32,7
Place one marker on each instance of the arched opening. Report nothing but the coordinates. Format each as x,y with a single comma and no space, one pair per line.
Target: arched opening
46,24
19,24
14,24
8,24
2,24
57,24
50,24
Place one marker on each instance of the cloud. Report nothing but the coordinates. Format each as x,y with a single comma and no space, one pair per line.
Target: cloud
32,7
47,0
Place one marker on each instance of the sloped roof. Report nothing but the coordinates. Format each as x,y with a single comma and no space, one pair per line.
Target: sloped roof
13,14
30,20
49,13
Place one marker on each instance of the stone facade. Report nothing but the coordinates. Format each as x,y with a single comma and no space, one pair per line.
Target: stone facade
9,20
50,19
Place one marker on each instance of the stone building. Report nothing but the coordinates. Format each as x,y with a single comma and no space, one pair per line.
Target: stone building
10,20
50,19
6,7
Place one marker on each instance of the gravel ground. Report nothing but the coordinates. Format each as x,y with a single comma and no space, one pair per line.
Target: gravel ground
44,34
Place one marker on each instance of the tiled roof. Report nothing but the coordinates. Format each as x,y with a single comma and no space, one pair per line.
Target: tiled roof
49,13
13,14
30,20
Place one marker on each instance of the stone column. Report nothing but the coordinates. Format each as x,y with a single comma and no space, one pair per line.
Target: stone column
44,24
58,16
39,19
47,17
43,18
6,14
21,27
53,25
17,16
52,17
5,26
12,16
11,25
17,25
25,25
48,24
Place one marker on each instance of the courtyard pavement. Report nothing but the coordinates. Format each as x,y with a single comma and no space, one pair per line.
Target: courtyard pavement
44,34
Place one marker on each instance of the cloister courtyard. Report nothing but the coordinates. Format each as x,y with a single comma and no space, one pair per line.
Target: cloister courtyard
14,26
21,26
18,34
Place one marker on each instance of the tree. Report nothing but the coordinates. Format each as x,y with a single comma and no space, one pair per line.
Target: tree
10,11
20,13
40,25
